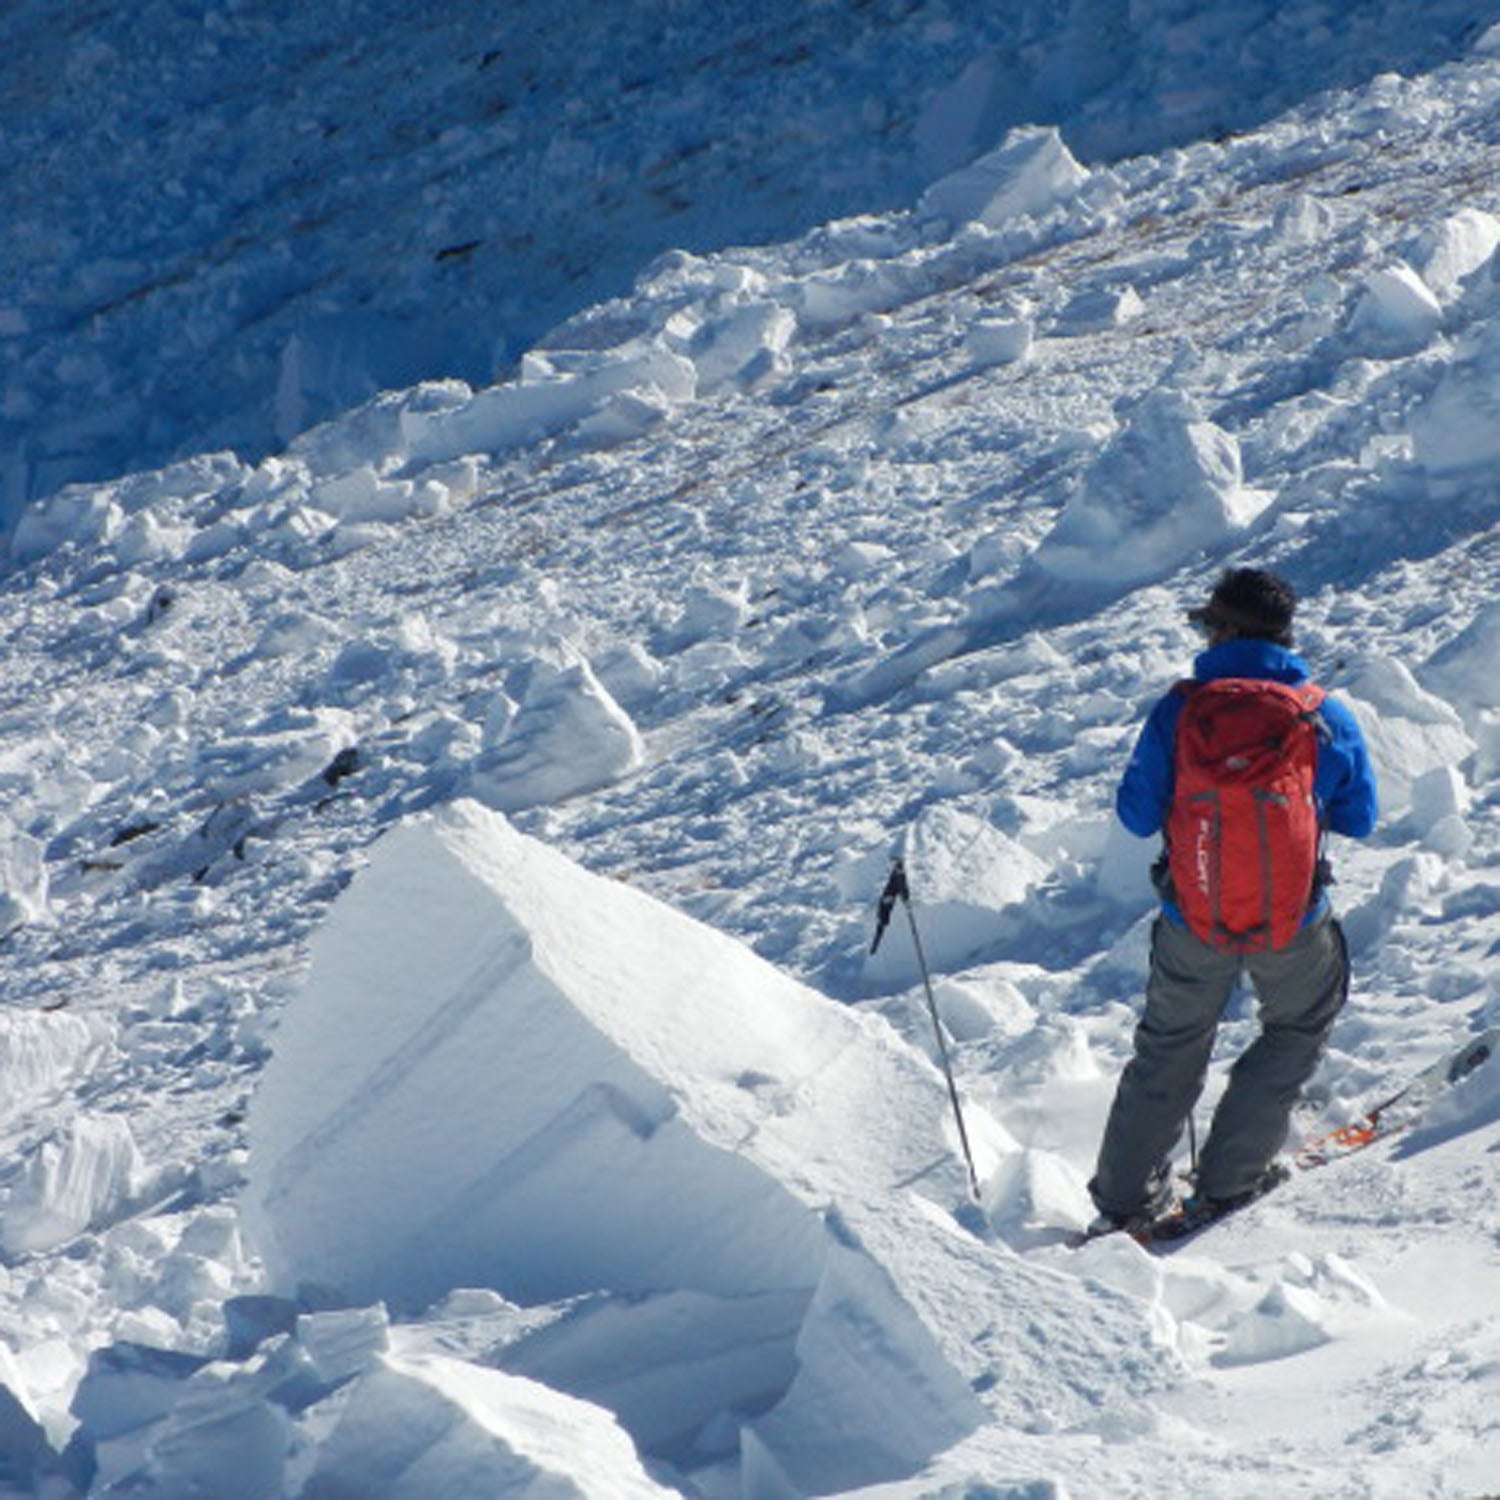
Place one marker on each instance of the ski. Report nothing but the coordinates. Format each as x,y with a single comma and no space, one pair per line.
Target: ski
1402,1108
1188,1216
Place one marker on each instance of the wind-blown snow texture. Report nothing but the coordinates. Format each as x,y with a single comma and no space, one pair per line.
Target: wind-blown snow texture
441,1055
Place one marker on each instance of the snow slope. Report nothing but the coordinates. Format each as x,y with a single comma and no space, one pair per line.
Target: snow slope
222,222
442,1052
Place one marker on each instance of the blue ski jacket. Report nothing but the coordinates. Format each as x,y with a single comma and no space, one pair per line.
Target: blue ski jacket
1344,784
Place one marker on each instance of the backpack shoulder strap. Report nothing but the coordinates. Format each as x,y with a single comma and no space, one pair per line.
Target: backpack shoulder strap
1312,698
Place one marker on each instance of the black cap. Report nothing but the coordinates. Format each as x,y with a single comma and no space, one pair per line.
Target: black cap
1249,602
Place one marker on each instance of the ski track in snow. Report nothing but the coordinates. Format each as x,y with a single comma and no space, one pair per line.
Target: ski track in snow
800,555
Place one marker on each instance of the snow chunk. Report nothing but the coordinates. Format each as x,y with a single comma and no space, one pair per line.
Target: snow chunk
999,341
1123,870
1395,312
464,955
1409,731
568,736
1463,668
1033,1196
745,346
1448,253
23,880
707,610
1030,172
858,558
1405,889
871,1397
40,1053
963,873
340,1344
287,748
1313,1301
369,434
1439,801
424,1425
30,1462
982,1004
1287,1320
1167,487
1302,220
92,515
77,513
361,495
1458,427
75,1181
670,1364
554,397
1098,309
403,660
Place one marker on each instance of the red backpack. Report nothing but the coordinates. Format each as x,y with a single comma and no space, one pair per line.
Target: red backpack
1242,834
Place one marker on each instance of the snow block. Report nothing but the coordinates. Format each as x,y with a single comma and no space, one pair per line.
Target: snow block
845,1420
1449,252
425,1427
508,416
1167,487
1457,428
1462,668
671,1365
964,873
567,737
506,1072
1395,312
743,346
1287,1320
74,1182
1031,172
24,886
27,1458
1409,730
999,341
40,1052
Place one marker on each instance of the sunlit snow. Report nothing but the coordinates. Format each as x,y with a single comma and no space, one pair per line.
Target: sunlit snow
445,808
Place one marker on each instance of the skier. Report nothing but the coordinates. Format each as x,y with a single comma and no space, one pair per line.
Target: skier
1243,886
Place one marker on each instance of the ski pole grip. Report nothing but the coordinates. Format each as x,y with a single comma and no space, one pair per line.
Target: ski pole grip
895,890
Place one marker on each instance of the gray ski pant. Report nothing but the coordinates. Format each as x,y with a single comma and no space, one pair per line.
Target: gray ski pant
1300,990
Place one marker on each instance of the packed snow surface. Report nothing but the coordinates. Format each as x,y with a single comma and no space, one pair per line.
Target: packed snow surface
443,1053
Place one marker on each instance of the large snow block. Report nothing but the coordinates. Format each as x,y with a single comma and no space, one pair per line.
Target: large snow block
507,1072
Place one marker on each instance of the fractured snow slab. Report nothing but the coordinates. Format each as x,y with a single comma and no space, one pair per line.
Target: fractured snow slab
507,1072
420,1427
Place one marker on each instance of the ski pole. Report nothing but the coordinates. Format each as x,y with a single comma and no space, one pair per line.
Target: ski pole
896,889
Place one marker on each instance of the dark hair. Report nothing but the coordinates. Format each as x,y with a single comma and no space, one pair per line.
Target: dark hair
1250,602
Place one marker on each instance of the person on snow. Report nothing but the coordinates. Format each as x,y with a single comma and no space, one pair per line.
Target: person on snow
1241,770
